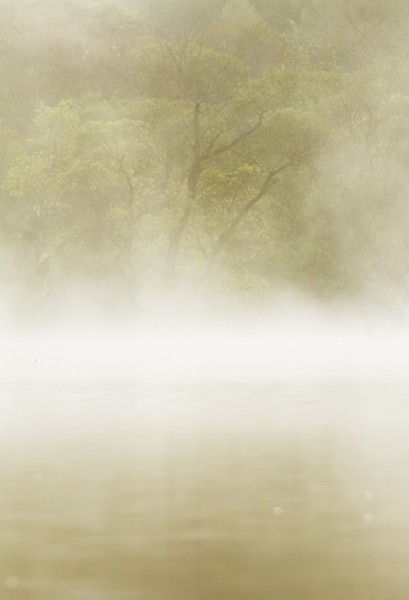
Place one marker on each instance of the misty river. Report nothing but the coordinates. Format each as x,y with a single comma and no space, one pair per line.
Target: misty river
122,491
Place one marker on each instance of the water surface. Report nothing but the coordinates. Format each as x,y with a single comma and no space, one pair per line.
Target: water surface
120,491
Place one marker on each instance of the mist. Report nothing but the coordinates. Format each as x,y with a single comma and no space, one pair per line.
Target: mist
221,155
204,286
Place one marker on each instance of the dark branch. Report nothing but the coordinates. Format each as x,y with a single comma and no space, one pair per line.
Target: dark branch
235,142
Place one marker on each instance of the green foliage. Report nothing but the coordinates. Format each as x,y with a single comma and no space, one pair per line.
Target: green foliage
249,144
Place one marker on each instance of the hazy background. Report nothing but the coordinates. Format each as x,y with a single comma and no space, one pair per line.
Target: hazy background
215,155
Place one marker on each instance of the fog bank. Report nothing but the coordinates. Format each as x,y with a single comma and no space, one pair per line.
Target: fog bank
211,351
